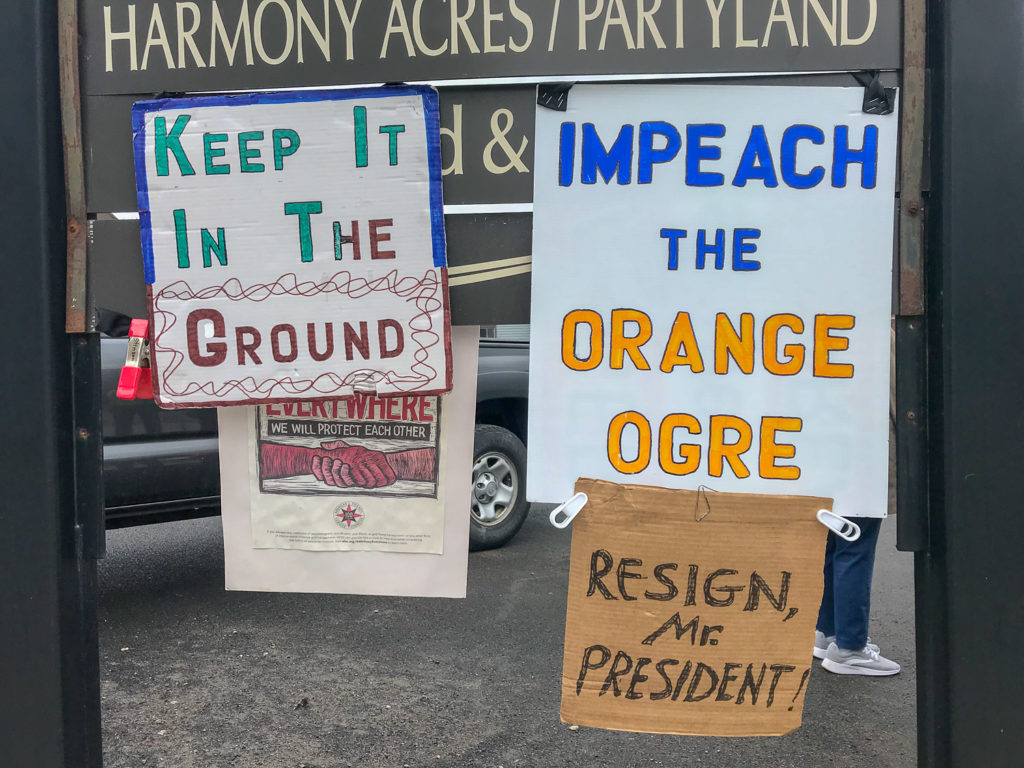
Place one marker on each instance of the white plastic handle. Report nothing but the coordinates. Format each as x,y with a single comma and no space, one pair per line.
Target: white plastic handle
839,525
569,509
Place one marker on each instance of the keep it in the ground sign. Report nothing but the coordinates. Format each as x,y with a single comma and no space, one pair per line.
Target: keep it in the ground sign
294,245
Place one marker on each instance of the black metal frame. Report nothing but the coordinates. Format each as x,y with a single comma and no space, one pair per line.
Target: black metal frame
970,613
961,389
50,474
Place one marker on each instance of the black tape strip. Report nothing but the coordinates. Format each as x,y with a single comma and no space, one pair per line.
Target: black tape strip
554,96
877,99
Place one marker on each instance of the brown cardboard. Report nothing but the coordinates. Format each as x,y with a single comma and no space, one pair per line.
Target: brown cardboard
631,531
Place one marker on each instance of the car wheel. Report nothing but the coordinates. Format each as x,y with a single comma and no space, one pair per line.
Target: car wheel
498,505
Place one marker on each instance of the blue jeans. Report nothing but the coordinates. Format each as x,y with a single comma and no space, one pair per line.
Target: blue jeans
846,603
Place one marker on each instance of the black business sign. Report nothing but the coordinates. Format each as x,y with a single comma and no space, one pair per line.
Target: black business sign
151,46
133,50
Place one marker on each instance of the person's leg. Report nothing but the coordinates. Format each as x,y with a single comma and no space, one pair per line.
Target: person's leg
827,612
853,563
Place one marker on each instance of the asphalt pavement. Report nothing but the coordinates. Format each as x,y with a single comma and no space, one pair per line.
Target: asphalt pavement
197,677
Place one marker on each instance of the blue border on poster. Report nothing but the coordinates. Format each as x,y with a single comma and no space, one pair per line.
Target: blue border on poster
431,118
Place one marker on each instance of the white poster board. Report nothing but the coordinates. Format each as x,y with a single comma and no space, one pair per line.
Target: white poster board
374,566
711,292
294,245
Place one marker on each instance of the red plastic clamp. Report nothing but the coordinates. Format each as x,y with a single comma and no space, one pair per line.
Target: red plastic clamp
136,379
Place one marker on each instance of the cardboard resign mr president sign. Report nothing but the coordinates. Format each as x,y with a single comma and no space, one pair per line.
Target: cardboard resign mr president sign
691,612
294,245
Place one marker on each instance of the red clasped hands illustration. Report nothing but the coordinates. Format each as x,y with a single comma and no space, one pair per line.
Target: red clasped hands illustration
340,464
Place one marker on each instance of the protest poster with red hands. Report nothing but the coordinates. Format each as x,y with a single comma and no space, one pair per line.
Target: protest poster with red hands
386,446
358,473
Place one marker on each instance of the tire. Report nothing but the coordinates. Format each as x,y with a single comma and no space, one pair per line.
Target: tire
498,505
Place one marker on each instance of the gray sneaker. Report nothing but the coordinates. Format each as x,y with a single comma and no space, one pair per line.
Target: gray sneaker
822,641
862,662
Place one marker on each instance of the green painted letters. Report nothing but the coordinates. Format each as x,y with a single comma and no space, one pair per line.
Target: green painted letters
218,247
164,141
210,152
359,114
303,210
244,153
181,237
282,150
392,131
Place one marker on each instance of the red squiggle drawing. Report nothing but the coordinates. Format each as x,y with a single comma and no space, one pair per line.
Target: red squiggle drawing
425,293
